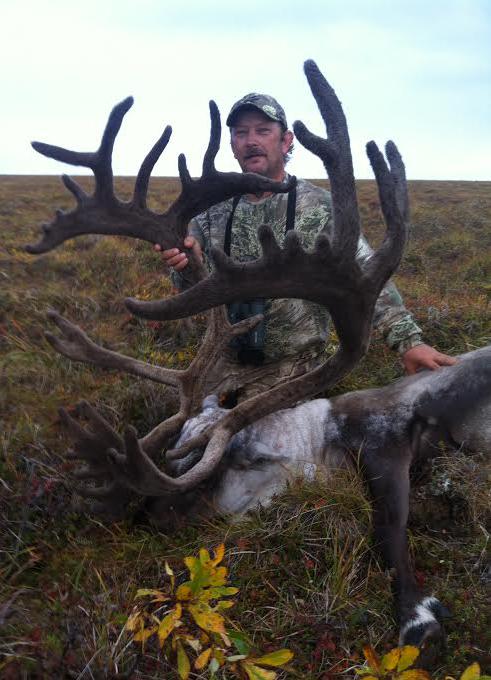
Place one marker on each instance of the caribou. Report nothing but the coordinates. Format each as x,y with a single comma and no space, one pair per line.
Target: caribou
242,456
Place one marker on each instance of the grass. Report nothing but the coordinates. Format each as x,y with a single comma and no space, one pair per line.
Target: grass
308,577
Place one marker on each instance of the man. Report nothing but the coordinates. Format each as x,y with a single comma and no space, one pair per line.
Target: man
295,330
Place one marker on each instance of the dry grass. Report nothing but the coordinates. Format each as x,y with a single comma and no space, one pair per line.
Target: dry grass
308,577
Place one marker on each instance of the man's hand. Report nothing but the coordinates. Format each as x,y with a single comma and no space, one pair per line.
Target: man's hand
424,356
177,259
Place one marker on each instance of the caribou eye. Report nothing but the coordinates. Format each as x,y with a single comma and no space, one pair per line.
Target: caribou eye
262,460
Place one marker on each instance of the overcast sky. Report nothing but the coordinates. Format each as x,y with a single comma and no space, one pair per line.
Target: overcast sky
418,72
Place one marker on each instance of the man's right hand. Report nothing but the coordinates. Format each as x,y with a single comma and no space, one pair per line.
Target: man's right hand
177,259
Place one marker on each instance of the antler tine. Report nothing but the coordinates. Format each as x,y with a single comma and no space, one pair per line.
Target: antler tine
214,143
91,446
335,153
99,161
328,103
77,346
394,201
103,171
58,153
136,471
80,195
143,177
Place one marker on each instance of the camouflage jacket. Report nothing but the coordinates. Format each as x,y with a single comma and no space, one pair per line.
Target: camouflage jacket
296,326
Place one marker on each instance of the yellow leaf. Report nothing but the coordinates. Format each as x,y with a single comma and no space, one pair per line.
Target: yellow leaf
184,592
168,624
204,556
372,658
133,621
222,591
472,672
170,573
216,593
192,564
409,654
278,658
183,665
199,574
391,659
206,618
225,604
256,673
202,660
144,634
413,674
219,554
218,577
157,594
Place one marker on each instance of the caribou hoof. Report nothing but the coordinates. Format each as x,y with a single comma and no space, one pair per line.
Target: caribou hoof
423,625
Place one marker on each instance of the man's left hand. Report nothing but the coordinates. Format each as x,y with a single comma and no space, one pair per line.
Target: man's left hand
424,356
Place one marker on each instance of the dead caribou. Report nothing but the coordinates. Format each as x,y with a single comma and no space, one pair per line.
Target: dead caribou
381,431
120,468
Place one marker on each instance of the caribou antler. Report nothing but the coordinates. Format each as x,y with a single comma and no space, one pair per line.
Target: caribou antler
118,465
77,346
330,275
104,213
91,444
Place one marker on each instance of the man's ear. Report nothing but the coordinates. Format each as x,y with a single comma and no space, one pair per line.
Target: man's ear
287,140
232,145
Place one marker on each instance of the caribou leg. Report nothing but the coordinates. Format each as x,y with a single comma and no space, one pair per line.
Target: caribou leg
388,480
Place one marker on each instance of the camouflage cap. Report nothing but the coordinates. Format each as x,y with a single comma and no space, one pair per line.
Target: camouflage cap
262,102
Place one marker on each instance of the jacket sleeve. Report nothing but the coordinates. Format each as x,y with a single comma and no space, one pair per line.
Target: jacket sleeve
391,317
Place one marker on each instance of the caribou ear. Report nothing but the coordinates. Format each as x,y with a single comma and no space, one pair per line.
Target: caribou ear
258,452
253,452
211,401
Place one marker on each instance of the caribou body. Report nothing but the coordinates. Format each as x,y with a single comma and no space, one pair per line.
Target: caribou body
383,431
397,423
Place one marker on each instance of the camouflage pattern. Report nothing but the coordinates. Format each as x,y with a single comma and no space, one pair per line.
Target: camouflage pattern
262,102
296,327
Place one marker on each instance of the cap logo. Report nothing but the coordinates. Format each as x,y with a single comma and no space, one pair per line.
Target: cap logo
270,110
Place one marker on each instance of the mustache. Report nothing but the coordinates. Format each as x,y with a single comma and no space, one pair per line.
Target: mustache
253,153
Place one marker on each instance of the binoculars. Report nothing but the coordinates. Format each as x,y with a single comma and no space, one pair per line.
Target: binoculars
250,345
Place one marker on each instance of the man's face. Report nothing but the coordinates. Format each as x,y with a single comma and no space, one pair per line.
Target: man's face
259,144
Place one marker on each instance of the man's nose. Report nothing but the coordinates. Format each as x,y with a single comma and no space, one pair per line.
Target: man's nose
251,139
